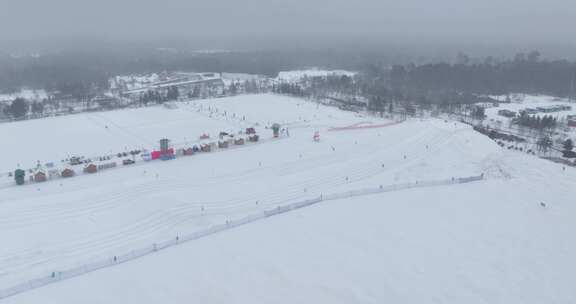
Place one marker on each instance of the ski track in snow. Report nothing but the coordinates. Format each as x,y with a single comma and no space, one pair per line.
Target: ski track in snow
355,162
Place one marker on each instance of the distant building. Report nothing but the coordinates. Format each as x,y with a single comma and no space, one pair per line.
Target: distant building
507,113
67,173
186,84
91,168
40,177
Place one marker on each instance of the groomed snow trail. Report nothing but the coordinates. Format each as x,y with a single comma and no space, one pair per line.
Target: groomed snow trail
114,212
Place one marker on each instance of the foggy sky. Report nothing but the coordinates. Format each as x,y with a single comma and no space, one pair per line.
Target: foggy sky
449,21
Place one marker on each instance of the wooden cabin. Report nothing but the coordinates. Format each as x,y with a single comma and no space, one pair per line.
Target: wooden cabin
205,148
67,173
91,168
188,151
40,177
223,134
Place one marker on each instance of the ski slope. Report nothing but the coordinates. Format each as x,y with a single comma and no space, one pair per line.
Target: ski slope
366,249
401,247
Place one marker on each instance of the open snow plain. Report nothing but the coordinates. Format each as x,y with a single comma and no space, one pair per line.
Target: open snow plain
490,241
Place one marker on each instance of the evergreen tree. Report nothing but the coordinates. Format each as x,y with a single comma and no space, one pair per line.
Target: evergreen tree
544,143
38,107
19,107
478,112
568,145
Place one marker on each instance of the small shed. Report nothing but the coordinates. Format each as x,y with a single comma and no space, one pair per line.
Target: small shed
276,129
106,166
67,173
205,148
52,173
188,151
19,176
40,177
146,156
155,155
91,168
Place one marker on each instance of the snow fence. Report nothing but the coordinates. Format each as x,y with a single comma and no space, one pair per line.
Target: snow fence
65,274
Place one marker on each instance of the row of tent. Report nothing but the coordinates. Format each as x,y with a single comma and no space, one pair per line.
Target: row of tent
40,175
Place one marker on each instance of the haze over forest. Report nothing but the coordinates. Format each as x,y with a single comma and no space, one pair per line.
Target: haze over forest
430,28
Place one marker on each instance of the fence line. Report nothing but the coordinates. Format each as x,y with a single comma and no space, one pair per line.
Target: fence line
57,276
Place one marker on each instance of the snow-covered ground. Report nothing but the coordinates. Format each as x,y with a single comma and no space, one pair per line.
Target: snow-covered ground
486,242
445,245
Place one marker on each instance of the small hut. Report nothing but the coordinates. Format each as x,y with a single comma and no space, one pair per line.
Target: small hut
106,166
53,173
146,156
223,134
19,176
205,148
91,168
223,145
68,173
40,177
188,151
276,129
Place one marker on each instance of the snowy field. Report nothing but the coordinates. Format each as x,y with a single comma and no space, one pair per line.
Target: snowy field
485,242
404,247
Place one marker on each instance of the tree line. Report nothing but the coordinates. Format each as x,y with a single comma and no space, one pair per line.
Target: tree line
541,123
525,73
